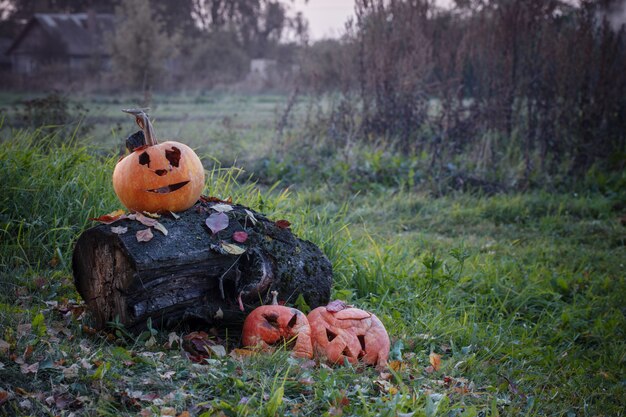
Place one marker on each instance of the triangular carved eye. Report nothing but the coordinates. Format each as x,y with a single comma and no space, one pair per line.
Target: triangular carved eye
293,321
361,341
173,155
272,319
330,335
144,159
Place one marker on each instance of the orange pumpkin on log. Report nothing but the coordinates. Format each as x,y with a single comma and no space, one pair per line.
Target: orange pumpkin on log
272,325
158,177
340,333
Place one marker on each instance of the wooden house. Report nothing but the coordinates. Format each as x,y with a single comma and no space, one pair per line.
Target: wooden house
73,42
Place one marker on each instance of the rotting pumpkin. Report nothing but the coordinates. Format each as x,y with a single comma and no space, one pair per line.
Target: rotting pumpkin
272,325
340,333
158,177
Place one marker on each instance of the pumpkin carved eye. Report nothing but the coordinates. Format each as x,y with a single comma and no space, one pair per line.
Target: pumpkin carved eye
330,335
292,322
361,341
271,319
173,155
144,159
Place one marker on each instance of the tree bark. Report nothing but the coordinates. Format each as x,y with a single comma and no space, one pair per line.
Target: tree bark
189,277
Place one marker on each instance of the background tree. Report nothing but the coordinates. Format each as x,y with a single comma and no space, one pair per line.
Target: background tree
140,45
513,91
257,25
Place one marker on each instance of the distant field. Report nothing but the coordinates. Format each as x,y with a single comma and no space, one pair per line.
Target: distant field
224,126
522,294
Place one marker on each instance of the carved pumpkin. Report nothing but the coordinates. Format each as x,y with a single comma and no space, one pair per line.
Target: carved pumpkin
157,177
342,333
272,325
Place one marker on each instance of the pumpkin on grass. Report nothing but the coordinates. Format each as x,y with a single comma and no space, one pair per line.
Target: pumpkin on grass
158,177
341,333
271,325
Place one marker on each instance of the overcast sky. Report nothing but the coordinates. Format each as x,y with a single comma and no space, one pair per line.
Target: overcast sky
327,17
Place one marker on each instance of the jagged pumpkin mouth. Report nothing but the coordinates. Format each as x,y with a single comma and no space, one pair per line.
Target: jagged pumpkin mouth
169,188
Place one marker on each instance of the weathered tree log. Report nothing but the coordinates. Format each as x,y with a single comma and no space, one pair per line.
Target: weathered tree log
190,276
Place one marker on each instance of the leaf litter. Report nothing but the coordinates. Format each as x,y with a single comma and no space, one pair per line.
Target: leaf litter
119,230
205,350
222,208
144,235
217,222
231,248
240,236
111,217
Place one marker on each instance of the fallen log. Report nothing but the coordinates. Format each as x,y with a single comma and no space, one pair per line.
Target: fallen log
192,275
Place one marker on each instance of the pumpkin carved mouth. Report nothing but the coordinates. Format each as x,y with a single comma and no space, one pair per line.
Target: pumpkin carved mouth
169,188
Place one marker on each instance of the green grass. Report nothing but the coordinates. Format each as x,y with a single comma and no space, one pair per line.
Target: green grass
522,294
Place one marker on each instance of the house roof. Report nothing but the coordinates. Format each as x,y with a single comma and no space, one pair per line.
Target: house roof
79,35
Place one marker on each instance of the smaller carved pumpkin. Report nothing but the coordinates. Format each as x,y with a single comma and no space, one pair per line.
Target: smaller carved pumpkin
157,177
272,325
342,333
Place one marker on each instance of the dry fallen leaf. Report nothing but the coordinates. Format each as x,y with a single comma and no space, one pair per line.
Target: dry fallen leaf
168,411
218,350
111,217
396,365
385,376
153,215
238,353
167,375
232,249
146,221
240,236
198,344
283,224
386,386
222,208
144,235
435,360
71,372
29,369
251,216
28,352
4,396
209,199
119,230
172,339
160,228
217,222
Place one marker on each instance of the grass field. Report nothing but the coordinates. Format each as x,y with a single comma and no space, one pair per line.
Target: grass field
523,296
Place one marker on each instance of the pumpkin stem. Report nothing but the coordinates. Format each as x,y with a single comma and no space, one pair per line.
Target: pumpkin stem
274,298
142,119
